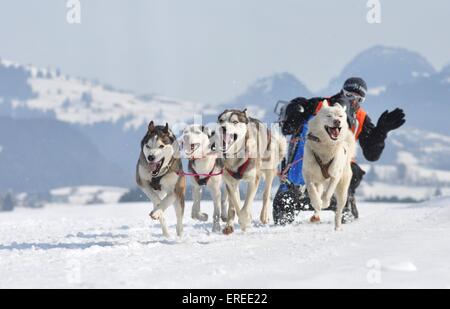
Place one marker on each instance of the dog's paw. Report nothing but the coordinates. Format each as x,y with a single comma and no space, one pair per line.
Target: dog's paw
244,221
156,214
264,219
338,229
244,225
314,219
228,230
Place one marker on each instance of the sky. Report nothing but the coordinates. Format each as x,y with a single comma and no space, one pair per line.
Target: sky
212,50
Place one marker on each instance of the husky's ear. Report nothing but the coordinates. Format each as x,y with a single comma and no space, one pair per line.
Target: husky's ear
344,107
166,128
245,112
151,127
325,103
212,140
223,113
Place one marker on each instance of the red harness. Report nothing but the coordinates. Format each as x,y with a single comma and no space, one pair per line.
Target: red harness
240,172
200,181
203,181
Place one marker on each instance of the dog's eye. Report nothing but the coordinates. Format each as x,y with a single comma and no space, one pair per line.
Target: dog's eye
147,146
161,146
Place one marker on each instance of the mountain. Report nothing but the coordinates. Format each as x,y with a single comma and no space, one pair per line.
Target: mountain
40,154
415,165
397,77
260,98
27,90
425,101
113,120
381,66
418,147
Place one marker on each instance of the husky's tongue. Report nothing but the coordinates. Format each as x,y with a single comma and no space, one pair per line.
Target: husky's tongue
334,132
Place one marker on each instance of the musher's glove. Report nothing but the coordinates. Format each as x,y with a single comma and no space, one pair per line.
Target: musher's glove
391,120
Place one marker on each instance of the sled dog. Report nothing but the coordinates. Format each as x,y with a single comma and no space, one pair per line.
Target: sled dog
251,151
329,149
205,167
159,174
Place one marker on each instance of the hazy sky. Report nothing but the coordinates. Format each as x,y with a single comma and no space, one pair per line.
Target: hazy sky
211,50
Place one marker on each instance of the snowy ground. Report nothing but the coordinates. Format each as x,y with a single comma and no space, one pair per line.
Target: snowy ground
117,246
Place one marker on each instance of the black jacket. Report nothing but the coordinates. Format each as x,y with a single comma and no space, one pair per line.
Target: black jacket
371,139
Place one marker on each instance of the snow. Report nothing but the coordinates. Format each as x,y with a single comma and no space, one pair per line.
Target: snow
118,246
418,74
87,194
406,158
376,91
415,135
374,190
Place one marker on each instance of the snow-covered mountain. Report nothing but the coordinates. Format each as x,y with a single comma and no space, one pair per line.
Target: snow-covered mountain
27,90
40,154
381,66
260,97
414,166
111,122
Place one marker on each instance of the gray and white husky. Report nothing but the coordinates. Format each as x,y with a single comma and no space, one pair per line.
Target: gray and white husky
327,160
206,168
251,151
159,174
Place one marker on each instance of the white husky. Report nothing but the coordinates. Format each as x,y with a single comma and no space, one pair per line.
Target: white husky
206,169
326,162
